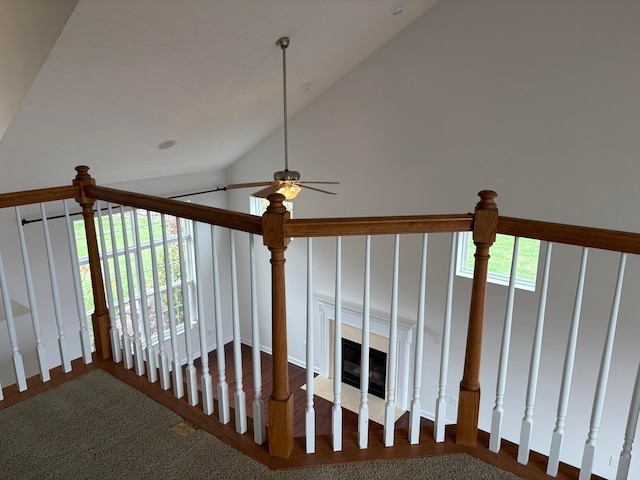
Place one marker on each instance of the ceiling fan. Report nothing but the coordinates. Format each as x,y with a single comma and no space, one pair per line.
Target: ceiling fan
287,182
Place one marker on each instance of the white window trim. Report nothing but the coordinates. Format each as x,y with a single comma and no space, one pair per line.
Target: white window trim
499,279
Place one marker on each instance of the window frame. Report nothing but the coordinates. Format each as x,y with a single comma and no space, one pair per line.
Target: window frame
172,239
465,251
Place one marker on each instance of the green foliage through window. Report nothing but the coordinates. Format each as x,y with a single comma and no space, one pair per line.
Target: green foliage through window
500,261
147,268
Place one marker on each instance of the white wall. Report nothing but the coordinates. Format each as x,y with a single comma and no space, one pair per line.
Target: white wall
537,100
28,31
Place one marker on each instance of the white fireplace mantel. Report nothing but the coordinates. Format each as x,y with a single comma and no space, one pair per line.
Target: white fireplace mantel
324,312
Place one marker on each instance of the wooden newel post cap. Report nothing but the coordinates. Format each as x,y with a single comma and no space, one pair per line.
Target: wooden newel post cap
273,222
276,204
485,222
83,172
487,201
83,178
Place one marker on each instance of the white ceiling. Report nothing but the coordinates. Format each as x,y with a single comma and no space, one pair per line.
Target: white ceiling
126,75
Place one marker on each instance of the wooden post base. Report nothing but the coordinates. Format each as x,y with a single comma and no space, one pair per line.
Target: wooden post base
281,427
467,424
101,326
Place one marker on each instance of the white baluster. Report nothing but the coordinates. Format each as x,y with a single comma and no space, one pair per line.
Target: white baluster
149,352
192,379
363,412
603,377
138,356
259,428
567,373
415,415
205,377
122,310
41,351
630,432
392,362
239,396
176,366
224,412
336,411
116,349
163,358
18,365
498,409
85,338
62,339
527,422
310,414
441,401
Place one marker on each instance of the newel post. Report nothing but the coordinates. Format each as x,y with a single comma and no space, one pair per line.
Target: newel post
485,224
100,315
281,402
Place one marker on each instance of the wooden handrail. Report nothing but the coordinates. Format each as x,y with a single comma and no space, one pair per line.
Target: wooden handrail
27,197
215,216
332,227
613,240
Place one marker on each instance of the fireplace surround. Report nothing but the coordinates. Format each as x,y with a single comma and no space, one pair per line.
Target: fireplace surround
324,312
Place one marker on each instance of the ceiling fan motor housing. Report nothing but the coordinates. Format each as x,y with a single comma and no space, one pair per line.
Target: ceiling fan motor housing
286,176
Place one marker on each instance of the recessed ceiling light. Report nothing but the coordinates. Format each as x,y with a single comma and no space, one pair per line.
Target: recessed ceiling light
166,144
305,87
397,9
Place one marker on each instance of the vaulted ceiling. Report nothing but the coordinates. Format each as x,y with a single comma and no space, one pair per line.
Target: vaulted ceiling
126,76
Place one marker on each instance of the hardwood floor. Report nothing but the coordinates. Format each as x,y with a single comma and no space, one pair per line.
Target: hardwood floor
376,450
324,455
297,378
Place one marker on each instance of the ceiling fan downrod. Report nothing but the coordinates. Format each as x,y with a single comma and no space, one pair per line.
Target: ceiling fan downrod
286,182
283,43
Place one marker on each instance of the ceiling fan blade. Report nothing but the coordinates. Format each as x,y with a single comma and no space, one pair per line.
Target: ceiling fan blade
245,185
317,189
265,192
325,183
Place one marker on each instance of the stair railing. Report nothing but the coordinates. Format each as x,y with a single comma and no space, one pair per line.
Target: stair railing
277,228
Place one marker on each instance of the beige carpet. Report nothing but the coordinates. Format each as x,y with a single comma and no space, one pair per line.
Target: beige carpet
96,427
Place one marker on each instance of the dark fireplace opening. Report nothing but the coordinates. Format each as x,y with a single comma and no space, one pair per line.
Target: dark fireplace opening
351,356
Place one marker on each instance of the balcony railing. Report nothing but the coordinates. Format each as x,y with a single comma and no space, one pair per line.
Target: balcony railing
230,311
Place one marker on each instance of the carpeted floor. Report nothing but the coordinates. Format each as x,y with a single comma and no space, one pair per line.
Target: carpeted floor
96,427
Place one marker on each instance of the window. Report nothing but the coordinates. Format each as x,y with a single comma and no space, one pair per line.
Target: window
500,261
147,268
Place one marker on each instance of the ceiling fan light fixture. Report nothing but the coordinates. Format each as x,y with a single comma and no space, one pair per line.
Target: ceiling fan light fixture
289,190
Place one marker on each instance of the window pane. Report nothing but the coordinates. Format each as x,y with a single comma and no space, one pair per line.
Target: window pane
147,271
500,261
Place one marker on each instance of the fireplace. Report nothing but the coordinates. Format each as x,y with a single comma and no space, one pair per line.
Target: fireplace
378,339
351,371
